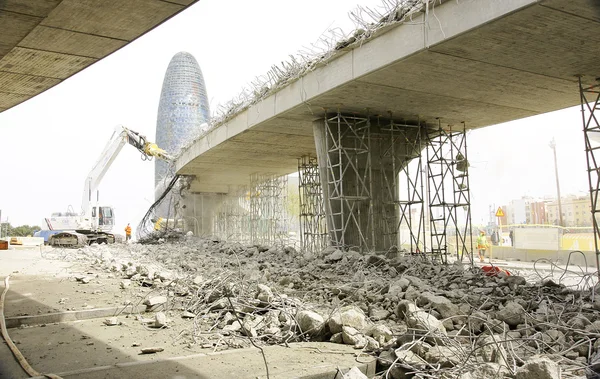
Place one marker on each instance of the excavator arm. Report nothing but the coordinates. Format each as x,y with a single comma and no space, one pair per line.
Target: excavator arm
119,138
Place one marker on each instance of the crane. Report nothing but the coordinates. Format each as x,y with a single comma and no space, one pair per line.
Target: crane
94,222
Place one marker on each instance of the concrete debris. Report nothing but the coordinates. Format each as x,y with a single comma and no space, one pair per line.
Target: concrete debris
351,336
160,320
154,301
512,313
111,321
310,322
354,373
419,318
539,368
152,350
347,316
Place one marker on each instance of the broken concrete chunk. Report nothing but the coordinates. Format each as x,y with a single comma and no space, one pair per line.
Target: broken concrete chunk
410,358
188,315
379,314
160,320
441,304
347,316
125,284
445,356
152,350
539,368
154,301
111,321
513,314
354,373
421,320
310,322
234,327
337,338
380,333
351,336
335,256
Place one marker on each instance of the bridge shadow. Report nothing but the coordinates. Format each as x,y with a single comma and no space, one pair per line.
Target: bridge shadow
68,350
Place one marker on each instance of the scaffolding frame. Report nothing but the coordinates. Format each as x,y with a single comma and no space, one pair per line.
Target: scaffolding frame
590,104
448,191
232,217
401,146
268,199
348,147
313,228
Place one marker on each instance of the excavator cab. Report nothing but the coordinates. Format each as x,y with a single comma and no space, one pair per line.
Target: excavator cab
105,217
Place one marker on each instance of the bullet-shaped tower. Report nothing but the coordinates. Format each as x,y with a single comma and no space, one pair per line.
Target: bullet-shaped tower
183,108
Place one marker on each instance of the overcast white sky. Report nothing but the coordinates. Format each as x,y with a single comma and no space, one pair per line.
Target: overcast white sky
49,143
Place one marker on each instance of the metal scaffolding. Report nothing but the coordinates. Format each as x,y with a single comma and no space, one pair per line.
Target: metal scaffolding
448,192
401,147
349,179
590,106
268,199
313,231
232,218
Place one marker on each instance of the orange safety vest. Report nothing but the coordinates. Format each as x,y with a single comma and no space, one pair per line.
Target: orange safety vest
128,230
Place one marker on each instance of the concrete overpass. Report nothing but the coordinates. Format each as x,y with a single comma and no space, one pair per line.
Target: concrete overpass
371,108
482,62
43,42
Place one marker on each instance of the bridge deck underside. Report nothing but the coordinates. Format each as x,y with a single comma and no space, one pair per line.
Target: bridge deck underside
43,42
522,64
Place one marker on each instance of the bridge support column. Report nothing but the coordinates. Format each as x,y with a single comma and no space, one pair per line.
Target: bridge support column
232,218
200,211
360,158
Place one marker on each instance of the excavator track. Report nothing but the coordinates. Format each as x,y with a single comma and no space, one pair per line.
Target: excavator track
78,239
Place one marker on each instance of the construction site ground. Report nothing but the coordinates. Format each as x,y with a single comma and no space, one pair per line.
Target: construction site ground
43,293
59,301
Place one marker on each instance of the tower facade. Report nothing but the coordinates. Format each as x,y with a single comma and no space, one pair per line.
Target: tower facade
182,109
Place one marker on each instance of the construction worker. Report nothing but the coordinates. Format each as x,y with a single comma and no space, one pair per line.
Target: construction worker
127,233
482,245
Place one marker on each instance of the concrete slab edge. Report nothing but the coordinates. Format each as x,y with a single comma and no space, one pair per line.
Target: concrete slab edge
368,368
87,314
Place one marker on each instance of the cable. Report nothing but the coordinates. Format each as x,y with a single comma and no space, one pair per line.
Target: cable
13,348
141,229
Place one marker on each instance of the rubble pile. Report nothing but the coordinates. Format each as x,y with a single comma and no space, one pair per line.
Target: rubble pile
421,319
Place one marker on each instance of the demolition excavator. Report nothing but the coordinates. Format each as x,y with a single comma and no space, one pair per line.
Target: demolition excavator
94,223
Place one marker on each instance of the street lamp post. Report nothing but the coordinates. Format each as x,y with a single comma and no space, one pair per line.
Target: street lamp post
560,214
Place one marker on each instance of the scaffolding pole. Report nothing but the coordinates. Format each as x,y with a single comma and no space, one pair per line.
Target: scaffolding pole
349,180
449,193
231,217
401,147
590,104
268,199
313,231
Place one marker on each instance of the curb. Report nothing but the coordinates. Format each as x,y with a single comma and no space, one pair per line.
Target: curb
50,318
329,371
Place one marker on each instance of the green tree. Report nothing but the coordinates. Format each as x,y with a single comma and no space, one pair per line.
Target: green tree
20,231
